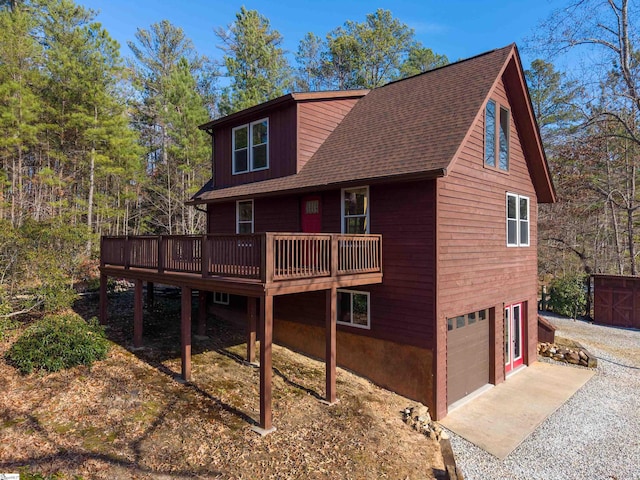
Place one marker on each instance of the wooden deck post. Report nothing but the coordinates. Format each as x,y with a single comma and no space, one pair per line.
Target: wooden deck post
185,333
150,294
266,332
330,353
202,313
103,299
334,255
137,314
251,329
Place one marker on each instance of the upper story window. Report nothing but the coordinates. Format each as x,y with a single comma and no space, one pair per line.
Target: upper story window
355,210
251,147
244,216
496,136
517,220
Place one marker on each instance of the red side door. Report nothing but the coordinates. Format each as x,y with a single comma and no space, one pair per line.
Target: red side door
513,336
311,214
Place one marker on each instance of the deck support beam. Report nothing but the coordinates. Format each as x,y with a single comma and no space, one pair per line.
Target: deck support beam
185,332
103,299
202,313
330,352
251,329
266,335
137,313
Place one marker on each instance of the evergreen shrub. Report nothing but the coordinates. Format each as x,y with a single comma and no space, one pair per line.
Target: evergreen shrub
58,342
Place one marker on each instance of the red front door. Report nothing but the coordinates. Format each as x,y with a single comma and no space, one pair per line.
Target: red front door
513,336
311,216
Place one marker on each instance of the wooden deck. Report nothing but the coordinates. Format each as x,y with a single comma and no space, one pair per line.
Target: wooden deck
259,266
252,265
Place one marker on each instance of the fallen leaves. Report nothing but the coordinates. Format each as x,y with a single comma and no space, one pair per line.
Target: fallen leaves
129,417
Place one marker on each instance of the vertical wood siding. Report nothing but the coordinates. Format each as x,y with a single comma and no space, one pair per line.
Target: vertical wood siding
316,120
476,269
296,131
282,149
402,307
277,214
272,214
221,218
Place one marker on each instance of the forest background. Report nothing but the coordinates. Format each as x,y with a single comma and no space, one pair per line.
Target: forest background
94,141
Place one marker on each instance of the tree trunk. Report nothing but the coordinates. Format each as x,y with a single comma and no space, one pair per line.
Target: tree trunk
632,254
616,234
92,183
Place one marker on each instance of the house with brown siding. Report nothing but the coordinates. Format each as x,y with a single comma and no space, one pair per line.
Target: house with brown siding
392,232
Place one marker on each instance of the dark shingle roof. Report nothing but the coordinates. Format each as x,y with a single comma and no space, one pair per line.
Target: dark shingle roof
411,127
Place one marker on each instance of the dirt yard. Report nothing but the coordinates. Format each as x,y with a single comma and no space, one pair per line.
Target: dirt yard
130,416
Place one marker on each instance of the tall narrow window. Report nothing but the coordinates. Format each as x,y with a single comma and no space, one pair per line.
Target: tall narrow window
355,210
504,139
244,216
496,136
251,147
517,220
241,149
524,221
490,134
512,220
259,145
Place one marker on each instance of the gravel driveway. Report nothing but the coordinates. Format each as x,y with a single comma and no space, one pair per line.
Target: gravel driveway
595,435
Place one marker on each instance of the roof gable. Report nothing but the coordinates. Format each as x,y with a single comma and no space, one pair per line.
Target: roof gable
410,128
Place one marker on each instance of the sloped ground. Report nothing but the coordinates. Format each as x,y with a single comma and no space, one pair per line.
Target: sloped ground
129,416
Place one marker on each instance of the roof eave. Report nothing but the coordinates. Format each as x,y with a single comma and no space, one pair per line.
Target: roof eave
547,181
426,175
288,98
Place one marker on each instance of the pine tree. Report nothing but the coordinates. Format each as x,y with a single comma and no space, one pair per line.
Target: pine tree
254,60
20,108
86,108
421,59
367,54
169,76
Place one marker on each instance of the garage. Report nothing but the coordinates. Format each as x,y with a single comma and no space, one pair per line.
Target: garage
467,354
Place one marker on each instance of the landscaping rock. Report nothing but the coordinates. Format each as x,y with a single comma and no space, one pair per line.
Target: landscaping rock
574,356
419,419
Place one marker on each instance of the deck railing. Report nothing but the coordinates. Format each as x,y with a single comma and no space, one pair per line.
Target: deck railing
265,256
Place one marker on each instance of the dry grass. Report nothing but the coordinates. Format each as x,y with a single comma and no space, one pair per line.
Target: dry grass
130,417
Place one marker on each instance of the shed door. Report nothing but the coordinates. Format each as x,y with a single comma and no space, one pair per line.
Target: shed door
467,354
311,220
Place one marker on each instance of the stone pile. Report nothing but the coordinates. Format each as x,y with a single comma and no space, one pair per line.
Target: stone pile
419,419
120,285
560,353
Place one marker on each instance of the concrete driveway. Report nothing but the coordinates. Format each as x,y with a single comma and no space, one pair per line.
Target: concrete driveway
501,418
593,435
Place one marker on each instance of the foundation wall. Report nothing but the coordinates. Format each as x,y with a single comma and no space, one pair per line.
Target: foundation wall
404,369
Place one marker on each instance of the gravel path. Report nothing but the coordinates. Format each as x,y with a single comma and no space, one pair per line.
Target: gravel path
595,435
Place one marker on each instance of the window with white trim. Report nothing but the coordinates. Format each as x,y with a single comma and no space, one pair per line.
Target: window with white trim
496,136
355,210
221,298
517,220
353,308
250,145
244,216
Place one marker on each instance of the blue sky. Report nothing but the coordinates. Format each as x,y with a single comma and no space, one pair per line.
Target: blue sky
456,28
